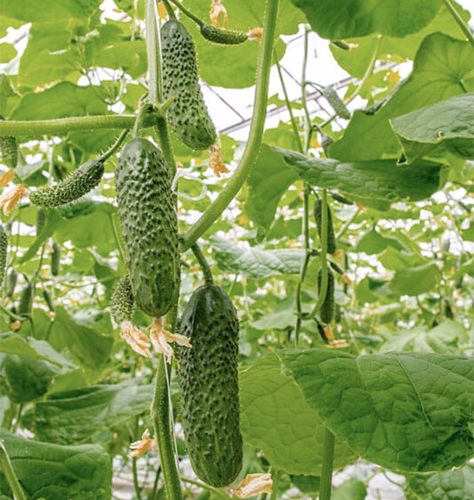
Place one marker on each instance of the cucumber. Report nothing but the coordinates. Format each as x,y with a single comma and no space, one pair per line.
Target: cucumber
208,380
55,259
149,226
332,97
328,308
80,182
10,284
122,302
222,36
40,220
48,299
26,300
188,115
331,239
3,252
9,149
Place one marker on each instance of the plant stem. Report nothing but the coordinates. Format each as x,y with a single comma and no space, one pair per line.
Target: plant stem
204,486
118,142
345,227
160,413
12,315
275,478
153,495
153,47
166,146
62,126
206,270
460,21
326,469
9,473
117,239
136,486
323,255
186,12
255,136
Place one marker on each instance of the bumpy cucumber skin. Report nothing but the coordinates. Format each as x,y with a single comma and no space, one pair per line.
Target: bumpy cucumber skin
9,149
221,36
40,220
122,302
149,225
208,380
3,253
328,308
10,284
80,182
26,300
55,259
331,239
187,114
336,103
48,299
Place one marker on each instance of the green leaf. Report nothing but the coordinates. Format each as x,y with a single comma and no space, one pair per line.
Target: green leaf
276,418
416,280
442,338
62,100
336,19
28,347
452,485
442,69
395,260
7,52
352,489
382,179
373,243
89,348
86,414
448,123
409,412
267,183
58,472
254,263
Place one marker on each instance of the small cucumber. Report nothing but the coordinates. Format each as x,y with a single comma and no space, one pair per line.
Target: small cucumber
48,299
331,239
208,379
328,308
187,114
9,149
26,300
122,302
3,253
40,220
80,182
332,97
222,36
55,259
10,283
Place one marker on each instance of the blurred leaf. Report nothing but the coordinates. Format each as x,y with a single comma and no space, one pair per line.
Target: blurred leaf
394,260
58,472
7,52
276,418
448,123
409,412
337,19
254,263
442,69
373,243
453,485
83,415
352,489
416,280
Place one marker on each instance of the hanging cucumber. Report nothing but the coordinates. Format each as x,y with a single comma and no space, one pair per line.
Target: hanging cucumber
55,259
26,299
3,253
328,308
332,97
40,220
222,36
9,149
149,225
122,302
208,380
187,114
48,299
331,239
10,282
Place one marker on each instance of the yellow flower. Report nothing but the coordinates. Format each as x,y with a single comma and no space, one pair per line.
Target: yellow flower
7,177
140,447
10,198
135,338
217,11
252,485
338,343
255,34
160,339
217,162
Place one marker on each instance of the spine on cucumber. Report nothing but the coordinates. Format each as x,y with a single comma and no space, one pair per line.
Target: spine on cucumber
222,36
81,181
122,302
208,380
187,114
331,238
149,226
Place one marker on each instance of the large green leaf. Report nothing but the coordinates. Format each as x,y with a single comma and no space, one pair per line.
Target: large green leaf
28,347
373,243
448,124
253,262
409,412
83,415
382,179
58,472
352,489
276,418
337,19
452,485
416,280
442,69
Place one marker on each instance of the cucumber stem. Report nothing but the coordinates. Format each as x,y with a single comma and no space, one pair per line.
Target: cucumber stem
7,469
186,12
255,136
206,270
327,466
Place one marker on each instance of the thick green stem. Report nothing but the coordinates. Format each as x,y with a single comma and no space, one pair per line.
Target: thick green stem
326,469
160,413
153,47
10,475
62,126
256,132
460,21
118,142
203,264
186,12
216,491
165,144
323,289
